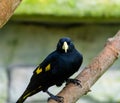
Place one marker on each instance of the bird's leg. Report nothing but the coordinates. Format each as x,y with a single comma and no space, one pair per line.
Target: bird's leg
59,99
74,81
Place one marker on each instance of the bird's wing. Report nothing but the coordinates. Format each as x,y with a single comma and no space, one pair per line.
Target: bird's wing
39,77
42,72
46,65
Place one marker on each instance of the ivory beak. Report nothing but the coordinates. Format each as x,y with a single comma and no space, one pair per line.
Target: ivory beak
65,46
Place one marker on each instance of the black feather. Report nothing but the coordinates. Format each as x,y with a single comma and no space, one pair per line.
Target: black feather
54,70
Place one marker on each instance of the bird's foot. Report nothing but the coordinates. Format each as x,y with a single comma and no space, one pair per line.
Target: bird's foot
59,99
74,81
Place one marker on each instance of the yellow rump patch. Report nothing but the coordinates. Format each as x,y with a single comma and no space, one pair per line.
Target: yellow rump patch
47,67
39,70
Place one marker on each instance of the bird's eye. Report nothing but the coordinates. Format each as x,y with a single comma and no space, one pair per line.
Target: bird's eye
68,42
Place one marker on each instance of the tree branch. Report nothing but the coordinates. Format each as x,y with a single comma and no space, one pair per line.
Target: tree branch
7,8
93,71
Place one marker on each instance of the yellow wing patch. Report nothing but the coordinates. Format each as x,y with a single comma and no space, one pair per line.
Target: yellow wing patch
48,67
39,70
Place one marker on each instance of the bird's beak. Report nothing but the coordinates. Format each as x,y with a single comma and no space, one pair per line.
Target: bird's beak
65,46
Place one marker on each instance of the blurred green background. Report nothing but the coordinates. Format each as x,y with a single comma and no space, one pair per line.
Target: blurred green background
35,28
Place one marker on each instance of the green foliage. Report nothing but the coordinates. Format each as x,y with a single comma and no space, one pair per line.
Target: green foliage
79,8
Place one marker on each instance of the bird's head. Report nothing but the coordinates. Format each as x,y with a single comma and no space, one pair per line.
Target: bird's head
65,45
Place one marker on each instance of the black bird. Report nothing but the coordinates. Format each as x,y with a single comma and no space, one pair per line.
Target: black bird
54,70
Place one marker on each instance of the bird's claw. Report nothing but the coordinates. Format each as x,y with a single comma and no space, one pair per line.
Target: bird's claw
59,99
74,81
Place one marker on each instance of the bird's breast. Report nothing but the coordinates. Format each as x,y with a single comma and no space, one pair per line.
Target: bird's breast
65,64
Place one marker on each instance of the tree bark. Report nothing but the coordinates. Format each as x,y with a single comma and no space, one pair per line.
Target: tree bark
93,71
7,8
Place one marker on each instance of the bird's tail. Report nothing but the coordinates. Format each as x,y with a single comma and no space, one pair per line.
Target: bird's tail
23,97
27,94
21,100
